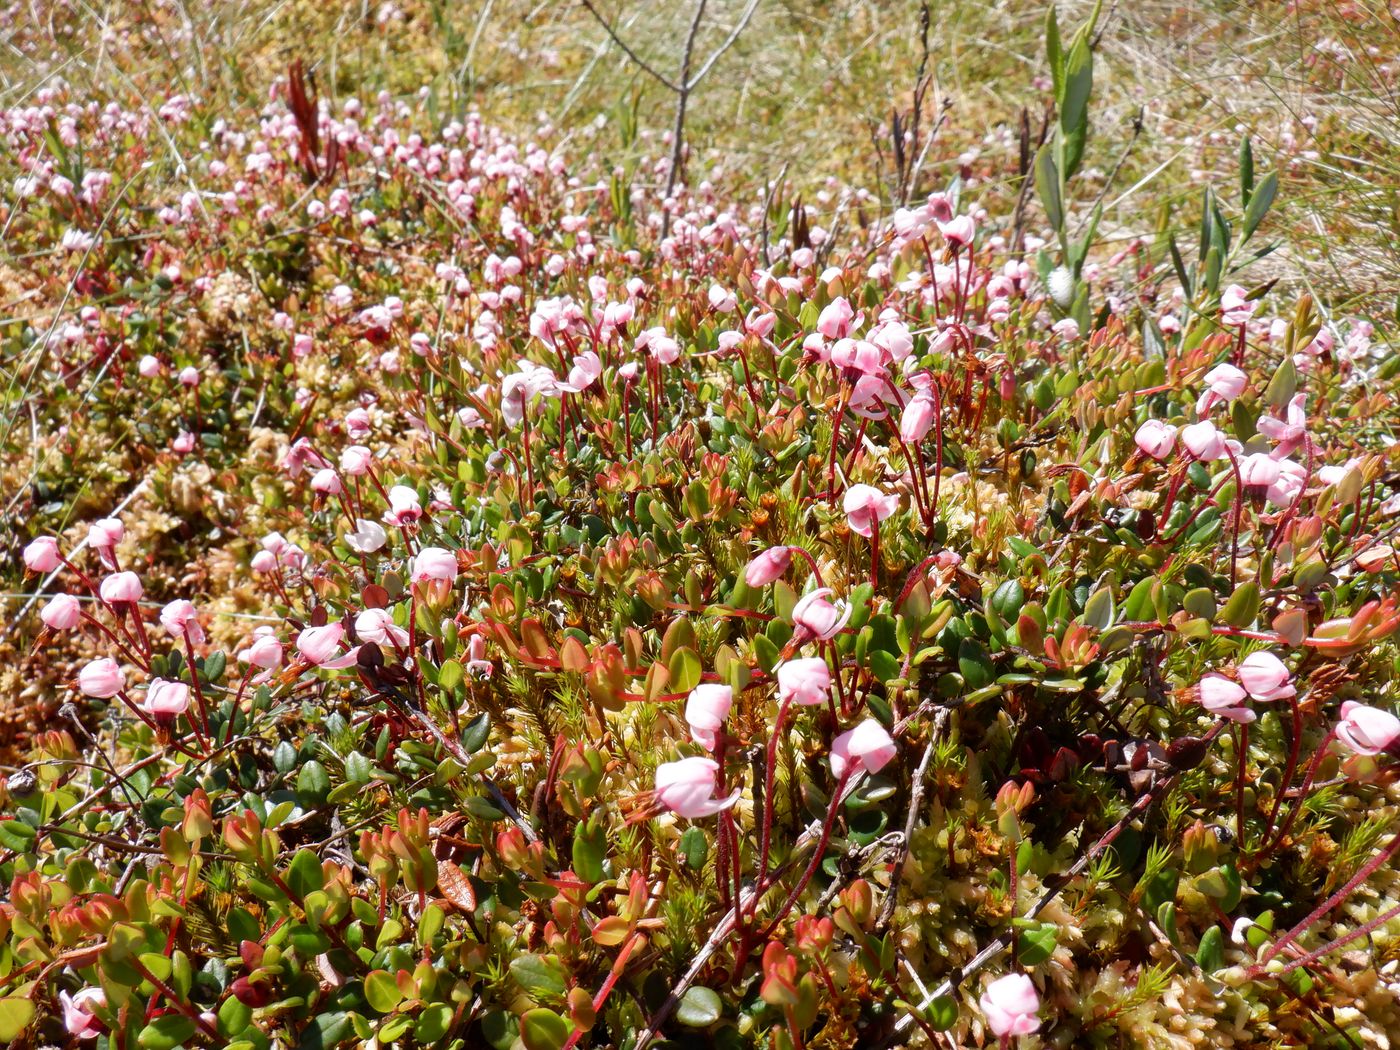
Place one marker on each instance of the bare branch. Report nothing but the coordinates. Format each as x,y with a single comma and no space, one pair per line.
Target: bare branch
627,50
728,43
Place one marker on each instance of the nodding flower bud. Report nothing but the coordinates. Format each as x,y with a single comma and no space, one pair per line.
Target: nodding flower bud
687,788
62,613
804,682
1367,730
434,563
102,679
822,619
1011,1005
121,587
1156,439
705,711
42,555
768,566
866,748
181,620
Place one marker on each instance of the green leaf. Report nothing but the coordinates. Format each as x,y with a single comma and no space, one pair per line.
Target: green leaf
1210,956
450,675
764,651
234,1017
1037,943
1099,609
304,876
433,1024
974,664
700,1007
214,664
1246,171
1283,385
685,670
694,847
1054,52
382,991
590,850
313,782
15,1014
1259,204
542,1029
358,769
539,975
475,734
1243,607
1047,186
16,835
166,1033
942,1012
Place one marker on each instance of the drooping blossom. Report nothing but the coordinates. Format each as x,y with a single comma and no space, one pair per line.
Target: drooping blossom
805,681
356,460
705,711
377,625
434,563
1266,677
918,418
1156,439
318,646
866,748
165,699
687,788
326,482
1010,1005
265,652
1367,730
477,665
1224,698
1235,308
181,620
367,538
1290,431
1224,383
79,1017
101,678
836,319
62,613
42,555
768,566
866,506
121,587
404,507
823,619
1204,441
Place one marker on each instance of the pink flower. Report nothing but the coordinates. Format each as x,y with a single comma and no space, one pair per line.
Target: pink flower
101,678
121,587
821,618
1367,730
182,443
585,372
367,538
78,1016
1259,470
166,699
477,664
1265,677
265,652
687,788
149,367
356,460
1290,431
705,710
866,748
403,506
1010,1004
317,646
42,555
103,536
835,320
326,481
722,300
866,506
189,376
1156,439
377,625
1235,309
768,566
181,620
804,682
434,563
1204,441
1224,383
1224,698
918,418
959,231
62,613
